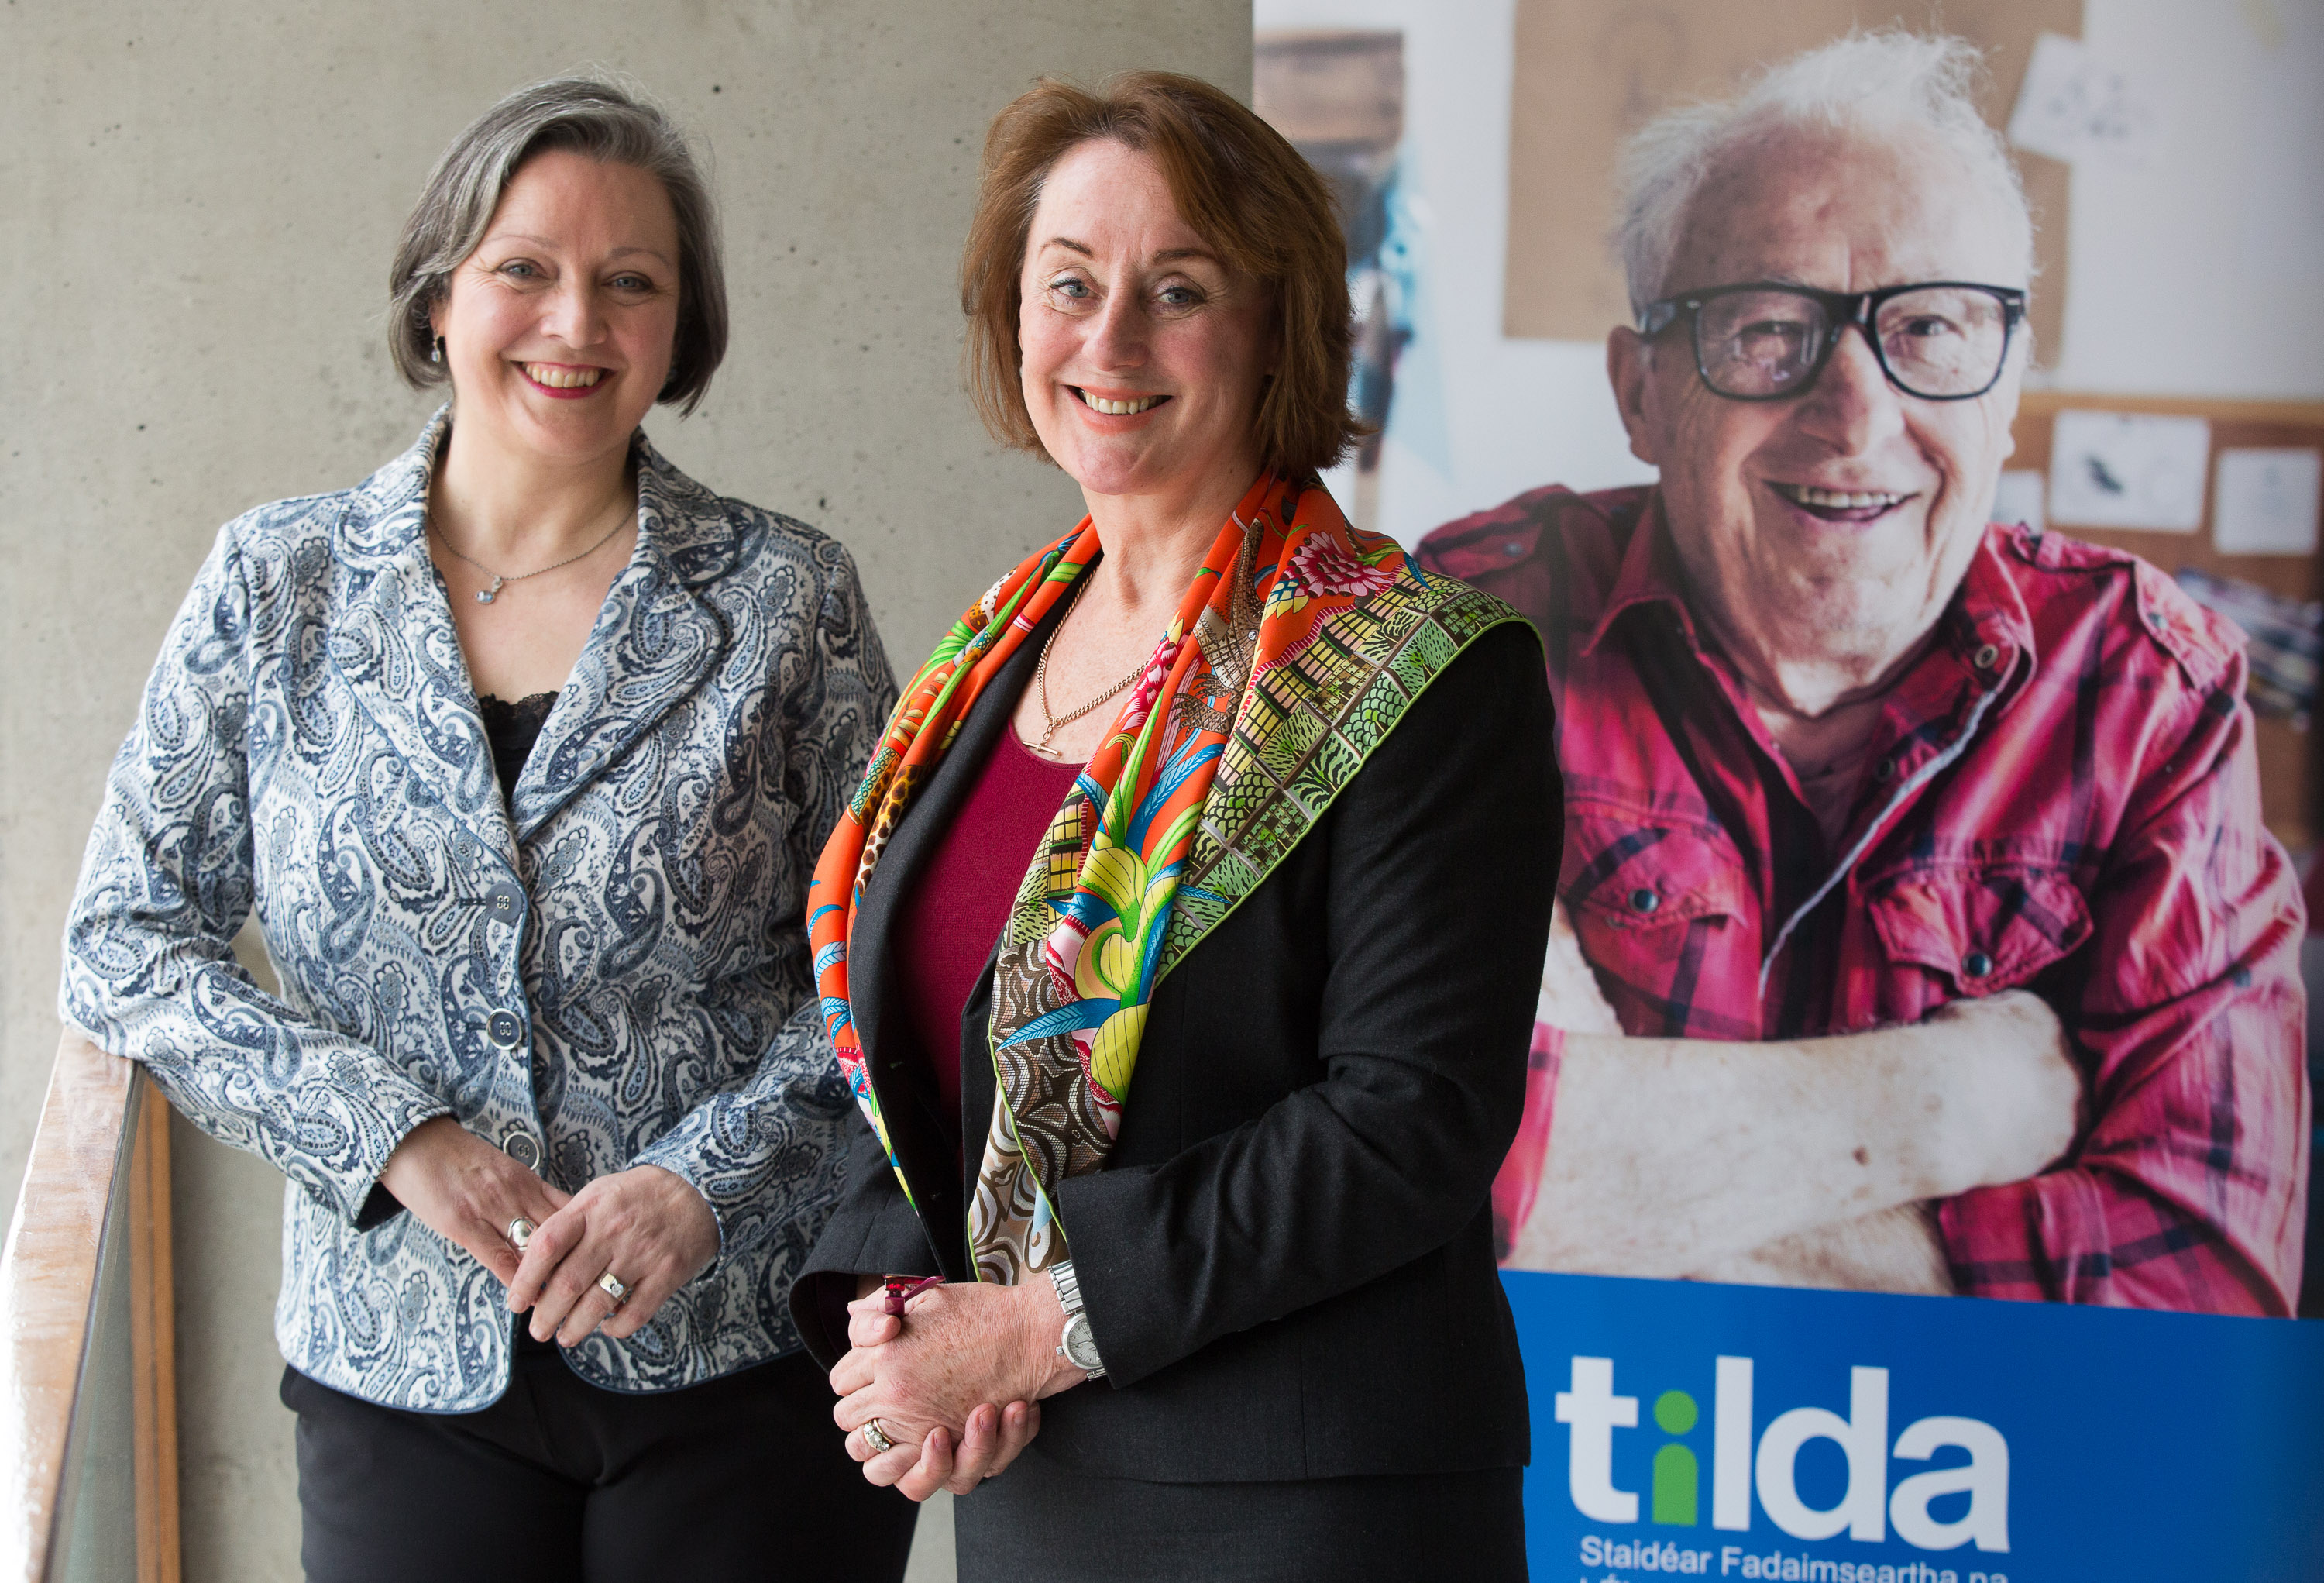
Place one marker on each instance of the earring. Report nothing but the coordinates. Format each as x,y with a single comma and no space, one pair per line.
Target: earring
436,355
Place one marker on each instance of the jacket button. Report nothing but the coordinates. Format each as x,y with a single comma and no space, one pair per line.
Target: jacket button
1884,769
520,1148
503,1029
1977,964
1986,657
1644,900
505,902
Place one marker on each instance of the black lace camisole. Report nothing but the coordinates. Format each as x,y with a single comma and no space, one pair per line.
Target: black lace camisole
513,728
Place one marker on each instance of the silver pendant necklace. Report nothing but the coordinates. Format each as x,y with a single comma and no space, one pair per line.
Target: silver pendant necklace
485,595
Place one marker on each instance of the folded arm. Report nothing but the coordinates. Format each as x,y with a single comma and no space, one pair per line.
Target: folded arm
1930,1158
2188,1190
1675,1157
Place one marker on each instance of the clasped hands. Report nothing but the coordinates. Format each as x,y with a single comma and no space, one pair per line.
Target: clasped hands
645,1225
956,1384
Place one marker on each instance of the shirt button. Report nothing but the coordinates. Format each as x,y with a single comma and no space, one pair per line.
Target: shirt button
1513,549
1977,964
1986,657
521,1148
505,1029
1644,900
505,902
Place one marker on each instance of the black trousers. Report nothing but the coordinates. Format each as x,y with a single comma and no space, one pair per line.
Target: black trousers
1039,1524
744,1478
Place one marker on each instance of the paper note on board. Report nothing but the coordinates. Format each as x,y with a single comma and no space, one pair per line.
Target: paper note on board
2267,502
2075,106
2128,470
2017,498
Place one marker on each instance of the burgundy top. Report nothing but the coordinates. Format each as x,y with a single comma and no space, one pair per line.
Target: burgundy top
946,928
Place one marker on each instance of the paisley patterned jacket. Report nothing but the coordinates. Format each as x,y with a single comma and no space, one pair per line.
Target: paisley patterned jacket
603,975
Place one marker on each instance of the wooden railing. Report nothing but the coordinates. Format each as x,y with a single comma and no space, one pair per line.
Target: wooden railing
89,1418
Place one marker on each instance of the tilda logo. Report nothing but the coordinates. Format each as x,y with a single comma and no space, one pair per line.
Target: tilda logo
1867,1509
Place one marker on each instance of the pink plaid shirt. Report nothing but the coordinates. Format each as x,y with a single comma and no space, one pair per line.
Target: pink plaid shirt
2062,796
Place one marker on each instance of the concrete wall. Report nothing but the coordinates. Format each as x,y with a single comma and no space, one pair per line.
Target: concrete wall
199,204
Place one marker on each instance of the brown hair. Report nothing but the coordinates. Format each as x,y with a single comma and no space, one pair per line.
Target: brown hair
1246,192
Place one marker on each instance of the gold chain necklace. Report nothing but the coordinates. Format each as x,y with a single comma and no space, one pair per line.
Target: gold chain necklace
1041,677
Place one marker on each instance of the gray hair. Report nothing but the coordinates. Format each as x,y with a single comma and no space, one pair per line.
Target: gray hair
591,116
1880,81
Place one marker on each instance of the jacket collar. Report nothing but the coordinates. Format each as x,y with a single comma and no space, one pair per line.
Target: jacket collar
655,641
1649,575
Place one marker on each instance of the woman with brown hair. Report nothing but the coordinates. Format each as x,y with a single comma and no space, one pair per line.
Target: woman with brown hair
1217,790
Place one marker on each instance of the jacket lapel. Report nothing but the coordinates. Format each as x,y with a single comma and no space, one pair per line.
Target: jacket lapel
655,641
873,977
915,841
393,644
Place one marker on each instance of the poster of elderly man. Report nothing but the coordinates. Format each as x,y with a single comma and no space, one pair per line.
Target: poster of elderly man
1918,930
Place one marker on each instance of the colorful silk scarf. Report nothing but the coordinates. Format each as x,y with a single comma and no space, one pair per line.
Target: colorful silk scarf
1294,651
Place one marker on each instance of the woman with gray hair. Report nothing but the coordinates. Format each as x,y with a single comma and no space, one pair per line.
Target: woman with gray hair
521,751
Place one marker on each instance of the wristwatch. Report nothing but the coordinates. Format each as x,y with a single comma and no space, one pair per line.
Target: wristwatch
1078,1346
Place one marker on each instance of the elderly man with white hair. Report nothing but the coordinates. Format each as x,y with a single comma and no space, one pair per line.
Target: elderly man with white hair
1919,930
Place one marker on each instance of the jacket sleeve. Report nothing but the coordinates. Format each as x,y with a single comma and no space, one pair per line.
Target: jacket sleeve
770,1152
167,881
873,1231
2187,1189
1442,865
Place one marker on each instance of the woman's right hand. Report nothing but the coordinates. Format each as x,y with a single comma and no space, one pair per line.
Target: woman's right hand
942,1458
466,1191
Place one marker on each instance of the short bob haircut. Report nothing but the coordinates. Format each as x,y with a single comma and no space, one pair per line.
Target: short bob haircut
591,116
1245,192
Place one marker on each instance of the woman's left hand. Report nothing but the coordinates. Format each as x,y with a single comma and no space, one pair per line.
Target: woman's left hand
645,1227
934,1384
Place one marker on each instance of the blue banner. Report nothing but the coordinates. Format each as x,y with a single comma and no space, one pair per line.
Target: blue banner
1766,1433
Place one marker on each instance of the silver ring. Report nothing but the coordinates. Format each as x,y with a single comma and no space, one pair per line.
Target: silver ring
612,1287
877,1438
519,1232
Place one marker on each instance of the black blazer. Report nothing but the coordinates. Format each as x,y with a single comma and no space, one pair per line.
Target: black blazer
1287,1260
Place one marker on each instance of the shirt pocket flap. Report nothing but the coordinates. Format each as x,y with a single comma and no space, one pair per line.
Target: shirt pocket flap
1632,875
1985,928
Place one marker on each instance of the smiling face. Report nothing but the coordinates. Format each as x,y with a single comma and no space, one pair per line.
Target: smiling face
1822,535
1143,355
560,328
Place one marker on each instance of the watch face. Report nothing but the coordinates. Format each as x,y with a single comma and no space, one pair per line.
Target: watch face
1081,1346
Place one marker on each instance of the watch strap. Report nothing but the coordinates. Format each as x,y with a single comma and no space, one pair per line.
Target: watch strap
1069,1298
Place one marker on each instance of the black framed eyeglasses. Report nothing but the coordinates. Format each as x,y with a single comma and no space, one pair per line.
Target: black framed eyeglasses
1765,341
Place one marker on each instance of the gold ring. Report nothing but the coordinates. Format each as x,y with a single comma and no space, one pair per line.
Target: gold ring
877,1438
612,1285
